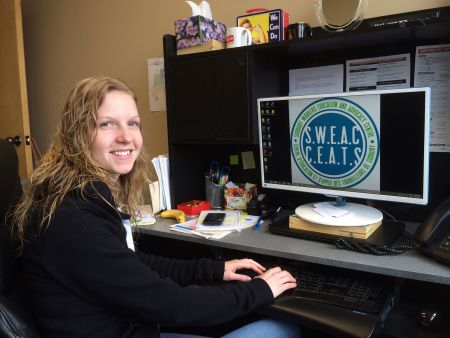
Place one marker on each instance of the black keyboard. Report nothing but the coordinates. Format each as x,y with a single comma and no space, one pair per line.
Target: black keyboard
350,289
336,288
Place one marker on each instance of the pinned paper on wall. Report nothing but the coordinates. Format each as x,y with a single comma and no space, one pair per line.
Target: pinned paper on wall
432,69
156,84
248,160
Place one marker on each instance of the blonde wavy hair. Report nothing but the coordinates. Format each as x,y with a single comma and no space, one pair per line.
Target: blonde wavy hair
68,164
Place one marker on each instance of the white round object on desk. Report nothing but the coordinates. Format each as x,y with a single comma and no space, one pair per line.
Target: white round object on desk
359,215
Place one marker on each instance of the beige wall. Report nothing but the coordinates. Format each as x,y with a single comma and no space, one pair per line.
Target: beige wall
67,40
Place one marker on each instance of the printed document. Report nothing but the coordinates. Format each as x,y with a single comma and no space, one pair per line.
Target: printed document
316,80
216,232
384,72
433,70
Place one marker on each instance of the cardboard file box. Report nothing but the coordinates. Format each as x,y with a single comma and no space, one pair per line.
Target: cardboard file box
239,196
198,30
265,26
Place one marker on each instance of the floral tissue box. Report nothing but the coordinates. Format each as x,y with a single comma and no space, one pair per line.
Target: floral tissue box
197,30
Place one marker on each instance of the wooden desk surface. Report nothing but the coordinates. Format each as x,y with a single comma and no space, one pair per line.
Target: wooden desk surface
410,265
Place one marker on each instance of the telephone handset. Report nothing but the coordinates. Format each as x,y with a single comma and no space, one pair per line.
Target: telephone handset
434,233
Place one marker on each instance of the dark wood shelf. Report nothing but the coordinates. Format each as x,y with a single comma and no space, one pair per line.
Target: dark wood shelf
211,97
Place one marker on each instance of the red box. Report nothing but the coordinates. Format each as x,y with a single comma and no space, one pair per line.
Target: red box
193,208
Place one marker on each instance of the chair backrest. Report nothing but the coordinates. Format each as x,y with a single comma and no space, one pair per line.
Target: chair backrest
9,173
15,319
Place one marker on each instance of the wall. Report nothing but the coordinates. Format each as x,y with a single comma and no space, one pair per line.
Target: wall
67,40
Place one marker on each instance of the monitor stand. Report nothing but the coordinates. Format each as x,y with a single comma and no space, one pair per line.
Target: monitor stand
358,214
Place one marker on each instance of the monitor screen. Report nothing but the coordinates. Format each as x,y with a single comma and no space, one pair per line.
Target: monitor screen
370,145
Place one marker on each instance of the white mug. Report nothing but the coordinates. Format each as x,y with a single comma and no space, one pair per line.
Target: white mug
238,37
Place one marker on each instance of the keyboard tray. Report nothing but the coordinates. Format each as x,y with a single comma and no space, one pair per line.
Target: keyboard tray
336,321
351,292
345,303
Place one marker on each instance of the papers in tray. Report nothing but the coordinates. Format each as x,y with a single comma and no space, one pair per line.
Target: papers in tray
161,164
234,221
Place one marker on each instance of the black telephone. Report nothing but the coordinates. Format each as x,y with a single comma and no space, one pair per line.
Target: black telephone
434,233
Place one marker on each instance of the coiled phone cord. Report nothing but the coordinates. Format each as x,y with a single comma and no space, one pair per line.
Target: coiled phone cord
381,250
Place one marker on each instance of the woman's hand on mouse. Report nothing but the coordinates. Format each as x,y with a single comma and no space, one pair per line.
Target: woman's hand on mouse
237,264
279,280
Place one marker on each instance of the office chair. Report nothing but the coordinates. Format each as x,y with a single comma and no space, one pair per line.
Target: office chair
15,318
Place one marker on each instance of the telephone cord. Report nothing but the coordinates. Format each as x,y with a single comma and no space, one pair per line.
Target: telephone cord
381,250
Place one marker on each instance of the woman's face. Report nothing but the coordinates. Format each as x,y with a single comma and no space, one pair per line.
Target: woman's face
117,138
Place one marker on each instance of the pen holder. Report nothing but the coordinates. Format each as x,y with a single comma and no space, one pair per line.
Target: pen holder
214,193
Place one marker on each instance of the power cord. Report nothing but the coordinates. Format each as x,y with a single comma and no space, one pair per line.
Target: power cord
378,250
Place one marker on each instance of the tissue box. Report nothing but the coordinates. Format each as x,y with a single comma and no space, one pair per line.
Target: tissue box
237,197
197,30
267,26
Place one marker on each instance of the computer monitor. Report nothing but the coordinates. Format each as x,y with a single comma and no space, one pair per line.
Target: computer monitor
367,144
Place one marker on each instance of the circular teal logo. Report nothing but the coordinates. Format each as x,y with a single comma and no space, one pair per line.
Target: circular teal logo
334,142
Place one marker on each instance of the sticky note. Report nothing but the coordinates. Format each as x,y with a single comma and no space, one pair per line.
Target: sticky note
248,160
234,159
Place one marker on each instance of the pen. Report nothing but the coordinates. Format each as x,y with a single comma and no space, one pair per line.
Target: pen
258,223
239,221
183,227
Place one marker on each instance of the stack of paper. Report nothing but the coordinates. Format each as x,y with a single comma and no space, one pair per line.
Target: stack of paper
234,221
160,190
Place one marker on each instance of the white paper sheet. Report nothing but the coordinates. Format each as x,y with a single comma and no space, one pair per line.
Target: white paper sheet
164,163
156,84
384,72
191,227
432,69
316,80
155,194
230,223
162,199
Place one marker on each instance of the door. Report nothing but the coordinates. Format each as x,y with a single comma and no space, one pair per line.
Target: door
14,120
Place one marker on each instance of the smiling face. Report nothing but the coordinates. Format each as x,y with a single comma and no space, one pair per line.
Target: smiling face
117,137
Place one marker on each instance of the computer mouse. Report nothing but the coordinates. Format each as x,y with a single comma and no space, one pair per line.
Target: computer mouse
427,316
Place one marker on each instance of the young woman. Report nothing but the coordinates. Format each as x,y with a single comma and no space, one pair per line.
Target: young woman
84,279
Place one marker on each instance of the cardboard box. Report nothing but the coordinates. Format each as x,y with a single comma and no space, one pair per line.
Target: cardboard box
206,47
239,196
197,30
266,26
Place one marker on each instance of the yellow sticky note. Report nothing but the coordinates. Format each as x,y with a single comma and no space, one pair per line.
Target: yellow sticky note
234,159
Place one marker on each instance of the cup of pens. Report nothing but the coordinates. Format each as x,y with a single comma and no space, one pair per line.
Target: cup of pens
215,180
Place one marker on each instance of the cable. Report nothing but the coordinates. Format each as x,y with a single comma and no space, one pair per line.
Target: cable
378,250
385,212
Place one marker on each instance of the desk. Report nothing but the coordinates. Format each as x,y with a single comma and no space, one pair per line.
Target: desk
410,266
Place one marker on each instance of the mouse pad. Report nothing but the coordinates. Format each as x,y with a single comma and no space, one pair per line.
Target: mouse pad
386,234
